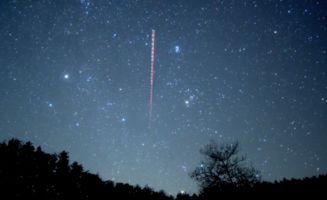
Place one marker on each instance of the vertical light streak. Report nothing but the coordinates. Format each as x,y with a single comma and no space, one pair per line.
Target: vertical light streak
153,40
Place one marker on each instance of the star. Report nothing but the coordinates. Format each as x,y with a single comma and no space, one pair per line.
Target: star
184,168
50,105
66,76
177,49
187,103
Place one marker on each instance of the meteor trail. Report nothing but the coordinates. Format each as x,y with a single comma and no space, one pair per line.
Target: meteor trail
152,73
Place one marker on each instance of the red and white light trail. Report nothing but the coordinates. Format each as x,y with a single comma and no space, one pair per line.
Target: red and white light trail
152,73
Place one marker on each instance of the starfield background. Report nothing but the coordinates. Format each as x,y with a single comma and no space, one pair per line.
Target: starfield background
75,76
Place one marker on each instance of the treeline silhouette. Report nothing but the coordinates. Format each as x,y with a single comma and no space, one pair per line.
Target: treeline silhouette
224,173
311,188
27,172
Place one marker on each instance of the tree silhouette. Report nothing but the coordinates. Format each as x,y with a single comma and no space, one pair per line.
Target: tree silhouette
223,168
27,172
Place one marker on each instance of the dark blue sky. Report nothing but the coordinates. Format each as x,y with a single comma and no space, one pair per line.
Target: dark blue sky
75,75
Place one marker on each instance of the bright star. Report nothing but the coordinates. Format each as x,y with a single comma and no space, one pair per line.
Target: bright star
177,49
66,76
187,103
49,104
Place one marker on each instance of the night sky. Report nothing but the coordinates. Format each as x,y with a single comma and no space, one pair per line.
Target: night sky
75,76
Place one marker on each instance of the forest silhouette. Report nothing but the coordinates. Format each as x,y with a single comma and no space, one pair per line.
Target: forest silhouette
27,172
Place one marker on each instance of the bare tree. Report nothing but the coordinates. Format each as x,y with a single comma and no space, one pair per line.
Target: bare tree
224,168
